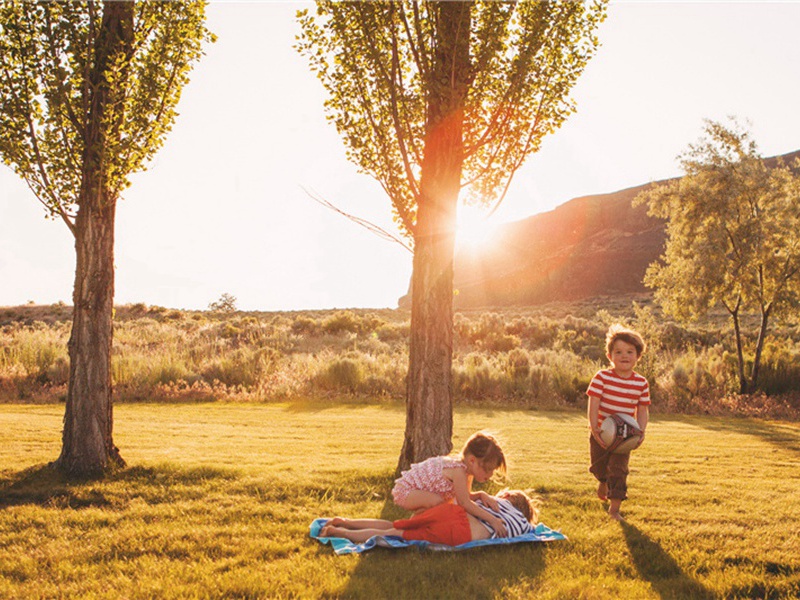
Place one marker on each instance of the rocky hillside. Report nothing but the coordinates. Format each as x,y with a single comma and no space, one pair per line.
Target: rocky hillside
588,247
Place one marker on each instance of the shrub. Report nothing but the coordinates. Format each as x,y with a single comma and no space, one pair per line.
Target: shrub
340,322
343,374
501,342
473,378
393,332
780,368
305,326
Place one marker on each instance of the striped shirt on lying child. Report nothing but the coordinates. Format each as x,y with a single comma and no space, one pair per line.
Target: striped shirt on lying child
515,522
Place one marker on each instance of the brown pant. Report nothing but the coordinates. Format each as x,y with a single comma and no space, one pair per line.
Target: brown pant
609,468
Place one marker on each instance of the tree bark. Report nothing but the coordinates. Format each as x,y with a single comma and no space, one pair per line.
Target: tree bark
429,393
88,448
87,444
737,330
762,336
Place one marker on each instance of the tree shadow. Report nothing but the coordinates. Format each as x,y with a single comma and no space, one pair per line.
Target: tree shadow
44,485
785,436
418,573
311,405
662,571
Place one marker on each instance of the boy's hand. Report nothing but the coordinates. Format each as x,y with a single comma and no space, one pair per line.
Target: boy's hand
598,439
641,440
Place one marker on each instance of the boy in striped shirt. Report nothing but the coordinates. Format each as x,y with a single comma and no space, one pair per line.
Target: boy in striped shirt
619,389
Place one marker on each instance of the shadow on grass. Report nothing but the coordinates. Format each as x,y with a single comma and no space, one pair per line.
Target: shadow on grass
660,569
313,405
783,436
44,485
414,573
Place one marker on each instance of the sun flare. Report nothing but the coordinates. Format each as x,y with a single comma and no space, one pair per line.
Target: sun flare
474,230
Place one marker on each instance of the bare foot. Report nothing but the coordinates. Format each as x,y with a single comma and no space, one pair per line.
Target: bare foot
328,531
336,522
602,491
614,514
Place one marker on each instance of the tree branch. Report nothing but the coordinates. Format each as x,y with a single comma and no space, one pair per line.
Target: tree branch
369,226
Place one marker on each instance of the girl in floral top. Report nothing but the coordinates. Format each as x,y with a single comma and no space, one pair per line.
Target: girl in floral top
441,479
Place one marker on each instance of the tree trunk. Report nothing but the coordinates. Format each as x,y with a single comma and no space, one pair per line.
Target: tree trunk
429,393
762,336
87,446
737,330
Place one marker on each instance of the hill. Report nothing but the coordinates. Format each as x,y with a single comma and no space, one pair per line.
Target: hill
598,245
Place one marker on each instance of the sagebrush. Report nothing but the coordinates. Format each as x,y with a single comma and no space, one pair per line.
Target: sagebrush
536,357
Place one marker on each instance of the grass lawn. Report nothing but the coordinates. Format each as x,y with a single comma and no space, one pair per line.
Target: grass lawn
217,500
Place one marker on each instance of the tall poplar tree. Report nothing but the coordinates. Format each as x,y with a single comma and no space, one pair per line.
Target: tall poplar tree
88,92
436,98
733,239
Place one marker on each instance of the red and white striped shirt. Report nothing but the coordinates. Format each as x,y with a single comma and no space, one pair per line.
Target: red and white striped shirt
617,394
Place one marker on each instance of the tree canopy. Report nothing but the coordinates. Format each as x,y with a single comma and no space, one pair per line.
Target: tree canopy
377,62
47,52
733,237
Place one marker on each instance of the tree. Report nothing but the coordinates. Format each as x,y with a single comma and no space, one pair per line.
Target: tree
733,238
430,98
88,93
225,304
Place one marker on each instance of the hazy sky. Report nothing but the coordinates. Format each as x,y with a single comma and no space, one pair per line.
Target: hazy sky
222,208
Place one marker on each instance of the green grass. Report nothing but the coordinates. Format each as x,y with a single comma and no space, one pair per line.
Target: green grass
217,500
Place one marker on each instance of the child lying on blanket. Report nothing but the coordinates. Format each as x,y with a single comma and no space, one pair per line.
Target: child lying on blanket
445,523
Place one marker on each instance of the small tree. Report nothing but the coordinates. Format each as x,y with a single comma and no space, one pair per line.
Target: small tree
733,239
432,97
226,304
87,95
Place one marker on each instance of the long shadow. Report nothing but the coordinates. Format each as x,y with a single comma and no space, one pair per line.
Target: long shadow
784,436
660,569
44,485
414,573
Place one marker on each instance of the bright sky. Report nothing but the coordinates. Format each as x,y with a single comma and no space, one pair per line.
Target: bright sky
222,208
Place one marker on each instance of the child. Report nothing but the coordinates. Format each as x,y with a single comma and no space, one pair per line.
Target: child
619,389
445,523
444,479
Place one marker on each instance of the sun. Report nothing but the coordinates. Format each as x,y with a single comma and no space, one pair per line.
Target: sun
474,231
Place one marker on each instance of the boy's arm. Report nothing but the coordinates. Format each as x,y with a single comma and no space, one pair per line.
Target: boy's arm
642,418
460,484
592,413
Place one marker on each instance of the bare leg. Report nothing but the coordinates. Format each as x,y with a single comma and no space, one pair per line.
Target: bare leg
613,510
419,500
342,523
602,491
357,535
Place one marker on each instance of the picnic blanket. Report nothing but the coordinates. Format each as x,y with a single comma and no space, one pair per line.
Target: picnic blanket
541,533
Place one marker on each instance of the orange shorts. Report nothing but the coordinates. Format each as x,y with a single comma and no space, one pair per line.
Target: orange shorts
444,523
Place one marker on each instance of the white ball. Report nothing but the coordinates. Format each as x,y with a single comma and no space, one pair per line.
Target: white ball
620,426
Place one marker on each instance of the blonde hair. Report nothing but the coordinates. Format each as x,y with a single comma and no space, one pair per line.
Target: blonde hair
486,449
629,336
523,502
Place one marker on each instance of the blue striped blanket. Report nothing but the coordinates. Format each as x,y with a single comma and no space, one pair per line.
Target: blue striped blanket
541,533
